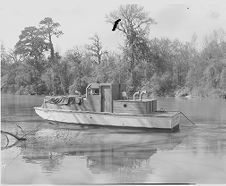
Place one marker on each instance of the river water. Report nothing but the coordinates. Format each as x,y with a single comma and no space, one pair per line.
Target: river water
70,154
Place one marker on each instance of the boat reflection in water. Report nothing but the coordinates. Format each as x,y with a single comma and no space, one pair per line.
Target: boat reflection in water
104,149
65,154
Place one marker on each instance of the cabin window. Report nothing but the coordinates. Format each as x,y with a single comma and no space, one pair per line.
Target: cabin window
95,91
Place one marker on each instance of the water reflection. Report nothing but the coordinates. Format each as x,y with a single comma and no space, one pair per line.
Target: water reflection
65,154
105,150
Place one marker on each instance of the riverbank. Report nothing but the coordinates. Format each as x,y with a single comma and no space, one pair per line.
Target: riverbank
183,92
200,92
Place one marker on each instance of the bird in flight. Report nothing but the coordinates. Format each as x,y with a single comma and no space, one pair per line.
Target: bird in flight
115,24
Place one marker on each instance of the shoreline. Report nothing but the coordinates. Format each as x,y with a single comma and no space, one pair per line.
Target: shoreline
188,96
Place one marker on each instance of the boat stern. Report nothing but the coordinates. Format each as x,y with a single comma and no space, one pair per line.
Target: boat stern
175,122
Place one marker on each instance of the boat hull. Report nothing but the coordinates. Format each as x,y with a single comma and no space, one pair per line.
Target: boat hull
159,120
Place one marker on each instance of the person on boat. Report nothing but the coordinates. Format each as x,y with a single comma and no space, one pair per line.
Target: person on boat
124,95
77,93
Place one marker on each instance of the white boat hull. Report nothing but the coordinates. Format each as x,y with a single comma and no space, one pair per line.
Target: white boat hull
165,120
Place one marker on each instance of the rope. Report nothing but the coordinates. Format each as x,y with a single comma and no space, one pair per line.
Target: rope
187,118
163,110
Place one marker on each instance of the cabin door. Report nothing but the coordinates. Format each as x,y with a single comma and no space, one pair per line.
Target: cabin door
106,100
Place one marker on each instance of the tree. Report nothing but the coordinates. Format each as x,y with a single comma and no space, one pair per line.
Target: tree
14,57
31,43
109,70
135,26
77,75
5,62
50,29
3,54
31,46
134,21
223,79
96,49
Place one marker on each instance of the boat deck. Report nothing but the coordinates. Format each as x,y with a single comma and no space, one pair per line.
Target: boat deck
153,120
156,114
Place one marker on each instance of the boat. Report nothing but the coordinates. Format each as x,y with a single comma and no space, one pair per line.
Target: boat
106,104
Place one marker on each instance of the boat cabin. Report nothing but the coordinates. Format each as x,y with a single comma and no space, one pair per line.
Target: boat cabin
106,104
105,97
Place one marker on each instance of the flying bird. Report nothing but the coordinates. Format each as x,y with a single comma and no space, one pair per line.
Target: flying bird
115,24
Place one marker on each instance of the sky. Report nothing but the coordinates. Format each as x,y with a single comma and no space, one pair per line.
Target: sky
81,19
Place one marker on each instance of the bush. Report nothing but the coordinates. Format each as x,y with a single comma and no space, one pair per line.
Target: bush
223,79
22,91
11,89
185,91
164,85
160,85
41,88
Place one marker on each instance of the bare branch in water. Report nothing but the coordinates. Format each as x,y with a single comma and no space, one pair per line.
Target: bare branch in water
7,143
17,137
9,146
20,128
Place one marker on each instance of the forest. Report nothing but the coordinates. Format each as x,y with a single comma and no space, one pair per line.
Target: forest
161,66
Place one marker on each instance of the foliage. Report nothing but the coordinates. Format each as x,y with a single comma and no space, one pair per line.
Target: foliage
161,66
48,29
135,26
95,49
223,79
31,43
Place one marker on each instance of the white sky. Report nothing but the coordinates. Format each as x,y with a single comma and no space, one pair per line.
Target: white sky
81,19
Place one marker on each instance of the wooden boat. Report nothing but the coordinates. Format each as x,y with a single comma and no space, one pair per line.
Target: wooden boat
106,104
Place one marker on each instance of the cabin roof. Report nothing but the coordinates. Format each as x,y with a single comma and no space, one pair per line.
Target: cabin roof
98,85
94,85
